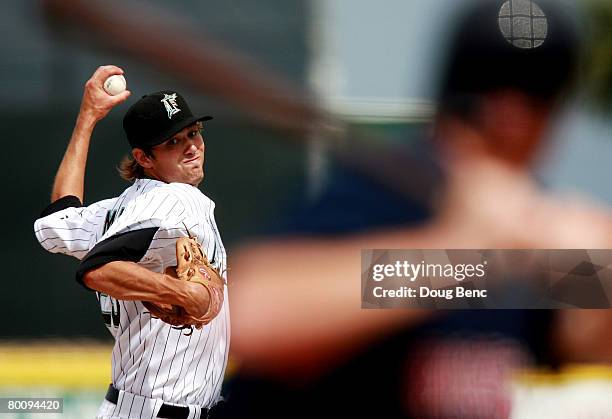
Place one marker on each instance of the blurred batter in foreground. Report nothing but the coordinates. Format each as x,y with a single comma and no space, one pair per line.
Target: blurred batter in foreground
308,344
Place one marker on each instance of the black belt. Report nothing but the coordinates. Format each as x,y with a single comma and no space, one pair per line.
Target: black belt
166,411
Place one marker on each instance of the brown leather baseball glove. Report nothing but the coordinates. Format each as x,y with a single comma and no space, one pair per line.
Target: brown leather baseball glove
192,265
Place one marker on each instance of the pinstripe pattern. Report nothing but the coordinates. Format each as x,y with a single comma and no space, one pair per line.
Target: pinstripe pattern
72,231
151,359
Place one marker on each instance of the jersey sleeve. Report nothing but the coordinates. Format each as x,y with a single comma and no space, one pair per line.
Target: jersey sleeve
129,246
145,233
66,226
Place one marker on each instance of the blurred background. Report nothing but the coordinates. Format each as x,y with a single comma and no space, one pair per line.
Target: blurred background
288,82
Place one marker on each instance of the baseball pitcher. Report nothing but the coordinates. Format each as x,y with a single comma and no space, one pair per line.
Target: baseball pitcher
153,255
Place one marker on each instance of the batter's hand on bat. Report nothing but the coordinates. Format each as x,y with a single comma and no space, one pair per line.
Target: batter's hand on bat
96,103
488,204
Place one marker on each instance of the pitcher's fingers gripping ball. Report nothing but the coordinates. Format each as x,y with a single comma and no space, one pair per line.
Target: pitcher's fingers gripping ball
192,265
115,84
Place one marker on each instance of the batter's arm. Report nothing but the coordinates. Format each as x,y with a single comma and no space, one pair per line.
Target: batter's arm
308,315
95,105
129,281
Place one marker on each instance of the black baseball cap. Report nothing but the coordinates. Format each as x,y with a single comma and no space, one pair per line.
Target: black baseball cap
156,117
528,45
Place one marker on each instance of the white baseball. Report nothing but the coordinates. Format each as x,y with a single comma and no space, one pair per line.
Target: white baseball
115,84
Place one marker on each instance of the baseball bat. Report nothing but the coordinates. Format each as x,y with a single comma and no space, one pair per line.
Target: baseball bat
269,99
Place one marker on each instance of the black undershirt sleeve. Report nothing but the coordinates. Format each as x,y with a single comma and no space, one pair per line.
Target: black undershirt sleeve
68,201
130,246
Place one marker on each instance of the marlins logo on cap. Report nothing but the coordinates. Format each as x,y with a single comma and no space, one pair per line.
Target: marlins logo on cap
169,102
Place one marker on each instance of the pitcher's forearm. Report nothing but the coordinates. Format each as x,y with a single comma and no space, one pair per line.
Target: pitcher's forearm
129,281
70,178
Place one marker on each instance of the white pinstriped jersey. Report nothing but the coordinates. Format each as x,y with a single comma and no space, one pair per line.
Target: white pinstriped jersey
150,358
